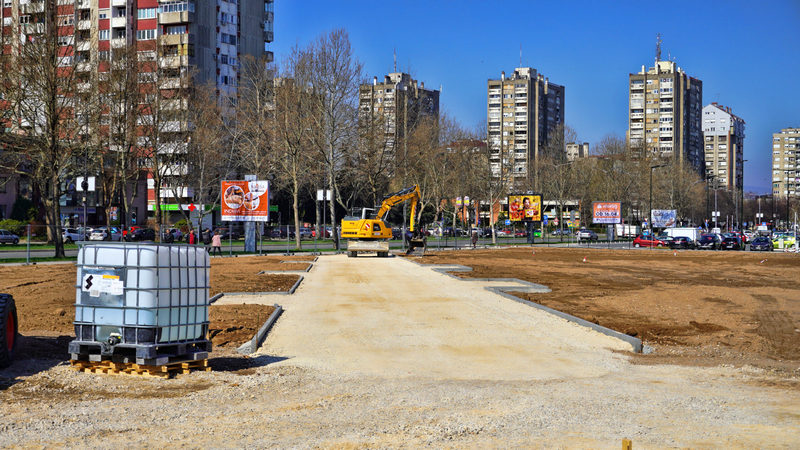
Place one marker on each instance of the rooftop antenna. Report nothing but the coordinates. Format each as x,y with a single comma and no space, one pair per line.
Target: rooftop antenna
658,47
395,60
520,55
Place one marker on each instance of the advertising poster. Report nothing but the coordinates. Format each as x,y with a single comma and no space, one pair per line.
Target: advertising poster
525,207
663,218
245,201
606,212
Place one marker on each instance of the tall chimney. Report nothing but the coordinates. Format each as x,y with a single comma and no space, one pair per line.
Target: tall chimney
503,75
374,81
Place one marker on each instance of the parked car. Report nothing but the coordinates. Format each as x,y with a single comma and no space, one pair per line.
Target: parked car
128,231
730,243
503,233
520,233
142,234
587,235
559,231
277,233
7,237
648,241
177,234
682,242
227,234
105,234
709,242
787,240
70,235
761,244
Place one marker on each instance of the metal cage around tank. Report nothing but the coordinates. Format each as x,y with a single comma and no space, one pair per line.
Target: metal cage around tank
141,302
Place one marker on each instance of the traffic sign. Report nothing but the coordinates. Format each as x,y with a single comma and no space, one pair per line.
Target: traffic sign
508,221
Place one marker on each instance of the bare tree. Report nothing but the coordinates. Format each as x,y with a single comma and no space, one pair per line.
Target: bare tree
44,112
295,115
334,80
165,83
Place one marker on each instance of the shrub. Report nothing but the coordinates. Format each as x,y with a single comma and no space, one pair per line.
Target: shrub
15,226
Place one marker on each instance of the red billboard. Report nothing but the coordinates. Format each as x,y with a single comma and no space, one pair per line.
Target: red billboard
245,201
607,212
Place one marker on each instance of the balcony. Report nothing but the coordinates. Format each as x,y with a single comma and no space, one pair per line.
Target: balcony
84,87
119,3
174,83
637,115
84,24
119,22
175,17
177,39
83,67
173,62
83,4
83,46
268,36
33,28
32,8
119,42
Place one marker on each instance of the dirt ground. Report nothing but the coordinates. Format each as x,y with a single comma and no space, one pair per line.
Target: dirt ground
693,307
45,298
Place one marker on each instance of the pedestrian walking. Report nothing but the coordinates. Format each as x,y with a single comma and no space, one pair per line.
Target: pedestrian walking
206,236
474,238
191,237
216,244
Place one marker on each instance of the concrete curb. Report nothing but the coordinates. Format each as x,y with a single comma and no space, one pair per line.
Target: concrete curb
533,288
252,345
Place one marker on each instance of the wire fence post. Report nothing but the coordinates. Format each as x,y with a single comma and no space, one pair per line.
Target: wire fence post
28,251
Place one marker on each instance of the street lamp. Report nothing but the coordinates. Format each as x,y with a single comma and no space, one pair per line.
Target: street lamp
652,168
741,198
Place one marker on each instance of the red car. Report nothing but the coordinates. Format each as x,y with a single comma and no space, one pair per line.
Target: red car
648,241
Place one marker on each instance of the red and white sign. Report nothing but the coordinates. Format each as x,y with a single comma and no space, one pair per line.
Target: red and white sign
607,212
245,201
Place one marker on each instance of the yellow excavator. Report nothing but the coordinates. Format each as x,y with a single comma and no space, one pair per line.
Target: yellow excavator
371,234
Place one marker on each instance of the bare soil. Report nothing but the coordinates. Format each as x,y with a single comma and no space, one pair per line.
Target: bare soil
693,307
45,299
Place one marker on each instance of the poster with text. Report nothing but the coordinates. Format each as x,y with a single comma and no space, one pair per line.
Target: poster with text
245,201
606,212
525,207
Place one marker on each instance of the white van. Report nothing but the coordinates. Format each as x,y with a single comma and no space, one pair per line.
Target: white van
689,232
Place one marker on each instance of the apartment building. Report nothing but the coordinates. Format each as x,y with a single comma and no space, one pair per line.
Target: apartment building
525,113
395,106
182,37
577,150
785,159
664,119
723,140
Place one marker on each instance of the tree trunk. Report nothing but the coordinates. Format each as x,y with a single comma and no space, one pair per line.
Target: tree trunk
296,210
335,193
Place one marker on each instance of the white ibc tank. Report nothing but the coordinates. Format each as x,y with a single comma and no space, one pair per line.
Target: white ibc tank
132,286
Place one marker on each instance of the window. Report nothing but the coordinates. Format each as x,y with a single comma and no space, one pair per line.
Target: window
103,14
104,35
175,29
176,6
147,13
145,35
230,39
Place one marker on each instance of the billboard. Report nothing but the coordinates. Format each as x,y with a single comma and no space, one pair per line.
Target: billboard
662,218
245,201
525,207
606,212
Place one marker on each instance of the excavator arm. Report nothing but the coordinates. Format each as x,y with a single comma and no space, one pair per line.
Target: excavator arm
409,193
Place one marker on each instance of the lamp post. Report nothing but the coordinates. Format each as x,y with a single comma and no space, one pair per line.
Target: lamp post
741,198
650,215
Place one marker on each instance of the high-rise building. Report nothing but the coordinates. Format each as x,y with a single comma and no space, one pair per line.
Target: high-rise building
724,147
664,118
395,106
525,114
203,39
785,158
577,150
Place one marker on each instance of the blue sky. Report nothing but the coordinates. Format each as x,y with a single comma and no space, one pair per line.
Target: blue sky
747,54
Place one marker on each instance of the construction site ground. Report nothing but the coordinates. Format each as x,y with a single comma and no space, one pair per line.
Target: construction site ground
377,352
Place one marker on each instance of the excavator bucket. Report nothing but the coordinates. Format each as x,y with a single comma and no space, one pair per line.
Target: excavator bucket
417,246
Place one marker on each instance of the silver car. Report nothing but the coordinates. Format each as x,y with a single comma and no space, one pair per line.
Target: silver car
7,237
70,235
102,234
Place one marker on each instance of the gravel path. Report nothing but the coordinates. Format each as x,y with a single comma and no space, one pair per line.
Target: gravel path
579,391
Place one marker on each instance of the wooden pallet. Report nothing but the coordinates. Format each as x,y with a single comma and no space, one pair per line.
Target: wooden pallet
116,368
